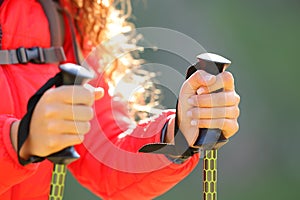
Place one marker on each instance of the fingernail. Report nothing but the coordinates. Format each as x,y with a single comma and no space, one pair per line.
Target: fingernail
99,89
99,93
189,113
190,101
200,91
193,122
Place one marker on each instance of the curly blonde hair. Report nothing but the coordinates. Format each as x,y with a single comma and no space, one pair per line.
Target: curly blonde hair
97,22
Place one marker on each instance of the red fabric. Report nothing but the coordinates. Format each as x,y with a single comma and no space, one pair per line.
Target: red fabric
109,165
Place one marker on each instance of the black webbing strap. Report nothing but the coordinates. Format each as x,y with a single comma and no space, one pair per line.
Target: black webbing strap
179,148
24,126
36,55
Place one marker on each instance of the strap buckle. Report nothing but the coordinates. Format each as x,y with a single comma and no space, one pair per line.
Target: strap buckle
34,55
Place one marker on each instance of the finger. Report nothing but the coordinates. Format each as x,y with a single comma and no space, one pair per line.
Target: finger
228,126
69,112
98,91
200,78
71,140
70,127
74,94
220,99
224,81
59,142
231,112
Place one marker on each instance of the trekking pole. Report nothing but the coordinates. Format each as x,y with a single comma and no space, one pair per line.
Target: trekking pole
71,75
209,140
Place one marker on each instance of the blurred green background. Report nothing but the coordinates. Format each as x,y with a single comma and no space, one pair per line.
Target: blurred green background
262,40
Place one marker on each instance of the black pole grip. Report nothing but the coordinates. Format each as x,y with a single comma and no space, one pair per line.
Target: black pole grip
72,74
214,64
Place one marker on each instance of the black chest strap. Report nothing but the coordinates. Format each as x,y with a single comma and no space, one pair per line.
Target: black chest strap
38,55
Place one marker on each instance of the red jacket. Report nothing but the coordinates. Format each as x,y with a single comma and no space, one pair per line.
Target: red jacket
109,165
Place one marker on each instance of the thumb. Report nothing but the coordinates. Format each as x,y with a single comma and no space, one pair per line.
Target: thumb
98,91
200,78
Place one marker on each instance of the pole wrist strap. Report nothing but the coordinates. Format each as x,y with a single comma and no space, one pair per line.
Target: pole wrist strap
24,127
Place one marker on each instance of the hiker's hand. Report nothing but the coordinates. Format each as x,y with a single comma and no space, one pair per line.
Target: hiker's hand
199,107
60,119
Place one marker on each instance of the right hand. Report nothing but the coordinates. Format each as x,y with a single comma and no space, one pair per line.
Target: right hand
206,108
59,120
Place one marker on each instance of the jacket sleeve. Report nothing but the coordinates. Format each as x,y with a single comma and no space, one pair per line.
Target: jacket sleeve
110,165
11,172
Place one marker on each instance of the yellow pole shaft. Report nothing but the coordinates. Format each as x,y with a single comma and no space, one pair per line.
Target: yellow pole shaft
57,182
210,175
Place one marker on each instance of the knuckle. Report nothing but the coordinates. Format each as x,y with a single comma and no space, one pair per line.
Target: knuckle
230,98
234,127
78,139
207,100
237,127
50,111
51,126
87,127
231,128
237,98
51,143
223,123
86,96
203,78
228,79
91,99
235,112
195,112
228,76
185,86
90,113
48,95
84,127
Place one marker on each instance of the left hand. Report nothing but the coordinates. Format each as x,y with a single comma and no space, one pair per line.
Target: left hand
199,107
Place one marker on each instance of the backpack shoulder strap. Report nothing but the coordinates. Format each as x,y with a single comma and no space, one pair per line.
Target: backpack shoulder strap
53,12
